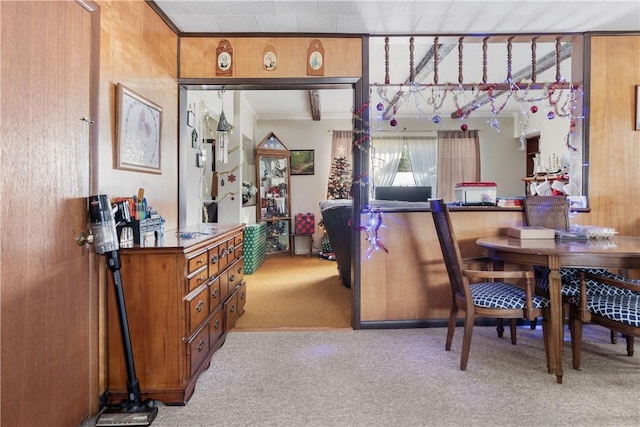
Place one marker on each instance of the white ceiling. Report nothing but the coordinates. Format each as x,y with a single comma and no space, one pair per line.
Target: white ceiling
451,18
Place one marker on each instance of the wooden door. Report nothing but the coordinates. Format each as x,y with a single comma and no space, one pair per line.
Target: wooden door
48,349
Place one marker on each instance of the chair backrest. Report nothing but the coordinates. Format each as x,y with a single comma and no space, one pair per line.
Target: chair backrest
449,245
547,211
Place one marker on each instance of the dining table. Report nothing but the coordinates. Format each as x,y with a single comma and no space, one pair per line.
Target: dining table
618,252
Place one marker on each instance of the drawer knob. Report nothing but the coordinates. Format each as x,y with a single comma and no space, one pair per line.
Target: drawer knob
232,309
216,325
200,345
232,277
214,259
215,293
199,306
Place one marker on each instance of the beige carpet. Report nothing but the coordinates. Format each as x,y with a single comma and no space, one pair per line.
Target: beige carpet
405,378
295,293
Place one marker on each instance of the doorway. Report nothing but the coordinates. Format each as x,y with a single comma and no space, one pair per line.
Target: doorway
292,131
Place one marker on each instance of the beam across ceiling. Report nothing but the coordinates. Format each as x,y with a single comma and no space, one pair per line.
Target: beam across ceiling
314,101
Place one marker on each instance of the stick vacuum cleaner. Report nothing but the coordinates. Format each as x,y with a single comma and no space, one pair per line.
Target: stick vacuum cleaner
133,412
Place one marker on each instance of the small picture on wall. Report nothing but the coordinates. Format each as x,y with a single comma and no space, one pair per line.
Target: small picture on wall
302,162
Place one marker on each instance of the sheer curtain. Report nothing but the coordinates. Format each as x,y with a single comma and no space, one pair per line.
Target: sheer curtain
458,160
385,157
423,152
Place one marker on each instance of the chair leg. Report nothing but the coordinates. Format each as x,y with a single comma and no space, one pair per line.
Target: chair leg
512,326
614,337
453,317
533,323
576,339
466,340
629,339
500,327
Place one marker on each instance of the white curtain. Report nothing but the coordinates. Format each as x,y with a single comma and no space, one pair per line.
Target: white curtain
458,160
385,157
423,152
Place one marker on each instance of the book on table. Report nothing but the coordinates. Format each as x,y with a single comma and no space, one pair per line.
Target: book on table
530,232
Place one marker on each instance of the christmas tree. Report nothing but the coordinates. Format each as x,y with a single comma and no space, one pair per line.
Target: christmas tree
339,179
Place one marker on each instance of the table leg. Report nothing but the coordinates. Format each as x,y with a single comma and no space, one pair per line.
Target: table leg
557,321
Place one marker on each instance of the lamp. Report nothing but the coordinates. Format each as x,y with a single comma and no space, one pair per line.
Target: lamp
223,130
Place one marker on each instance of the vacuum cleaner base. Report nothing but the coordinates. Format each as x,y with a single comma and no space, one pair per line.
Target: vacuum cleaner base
118,417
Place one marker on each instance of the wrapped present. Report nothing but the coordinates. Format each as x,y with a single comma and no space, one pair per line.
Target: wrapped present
305,223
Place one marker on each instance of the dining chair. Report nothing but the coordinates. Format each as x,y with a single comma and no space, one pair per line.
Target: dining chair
614,302
482,293
553,212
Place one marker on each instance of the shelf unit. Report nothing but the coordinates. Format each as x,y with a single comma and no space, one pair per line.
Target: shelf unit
273,201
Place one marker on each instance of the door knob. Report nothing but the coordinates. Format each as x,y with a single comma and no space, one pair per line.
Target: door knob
83,238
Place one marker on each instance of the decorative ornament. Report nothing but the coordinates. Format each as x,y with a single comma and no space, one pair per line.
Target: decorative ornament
464,127
224,58
393,122
380,106
223,130
495,124
315,58
436,119
551,115
373,225
269,59
231,178
534,109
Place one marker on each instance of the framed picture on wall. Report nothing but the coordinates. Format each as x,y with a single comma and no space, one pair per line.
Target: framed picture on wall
302,162
138,124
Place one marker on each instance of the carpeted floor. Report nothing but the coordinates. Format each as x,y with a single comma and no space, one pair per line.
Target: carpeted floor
293,293
370,378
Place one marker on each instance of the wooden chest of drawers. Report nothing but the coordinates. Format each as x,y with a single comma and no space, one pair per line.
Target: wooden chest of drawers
182,296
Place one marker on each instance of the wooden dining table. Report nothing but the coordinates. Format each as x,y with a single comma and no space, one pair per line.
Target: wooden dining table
618,252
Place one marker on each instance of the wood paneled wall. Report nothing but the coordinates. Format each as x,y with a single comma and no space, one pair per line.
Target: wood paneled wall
410,282
138,50
614,145
342,56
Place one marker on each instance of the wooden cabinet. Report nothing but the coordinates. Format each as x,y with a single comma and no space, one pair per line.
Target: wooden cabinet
182,296
273,202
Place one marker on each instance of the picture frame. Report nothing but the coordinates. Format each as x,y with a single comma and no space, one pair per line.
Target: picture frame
138,132
302,162
637,126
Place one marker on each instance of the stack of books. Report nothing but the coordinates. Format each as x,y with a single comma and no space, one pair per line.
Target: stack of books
531,232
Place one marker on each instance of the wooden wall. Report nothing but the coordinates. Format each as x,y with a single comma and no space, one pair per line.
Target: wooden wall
614,145
342,56
410,282
138,50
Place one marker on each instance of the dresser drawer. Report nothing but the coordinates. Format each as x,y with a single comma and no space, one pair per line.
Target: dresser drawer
199,278
231,311
197,261
242,298
215,327
214,261
223,255
197,349
238,273
214,294
197,308
238,245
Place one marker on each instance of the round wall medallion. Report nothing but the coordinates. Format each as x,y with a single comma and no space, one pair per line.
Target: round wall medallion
315,60
224,61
